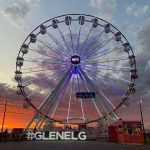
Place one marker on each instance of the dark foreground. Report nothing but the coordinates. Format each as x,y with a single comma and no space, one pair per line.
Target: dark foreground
69,145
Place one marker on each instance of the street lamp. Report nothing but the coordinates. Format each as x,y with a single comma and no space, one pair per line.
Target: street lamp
140,102
3,119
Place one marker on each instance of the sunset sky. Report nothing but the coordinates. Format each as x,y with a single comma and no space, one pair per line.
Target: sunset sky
19,17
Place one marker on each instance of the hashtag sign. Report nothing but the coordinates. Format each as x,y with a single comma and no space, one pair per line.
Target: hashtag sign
30,135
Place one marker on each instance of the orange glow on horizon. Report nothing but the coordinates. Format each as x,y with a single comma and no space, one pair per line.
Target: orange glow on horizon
16,116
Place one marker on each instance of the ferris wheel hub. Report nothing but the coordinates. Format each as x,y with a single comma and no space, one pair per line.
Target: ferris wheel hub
75,59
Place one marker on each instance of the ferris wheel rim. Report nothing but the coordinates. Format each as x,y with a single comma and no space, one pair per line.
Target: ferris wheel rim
24,93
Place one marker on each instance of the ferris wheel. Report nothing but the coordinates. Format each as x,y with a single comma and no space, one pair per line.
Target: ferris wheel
75,68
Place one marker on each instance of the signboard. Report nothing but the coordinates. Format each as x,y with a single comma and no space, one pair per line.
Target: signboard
85,95
64,135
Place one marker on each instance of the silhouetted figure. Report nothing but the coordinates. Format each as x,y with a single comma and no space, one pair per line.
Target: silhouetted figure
5,135
34,130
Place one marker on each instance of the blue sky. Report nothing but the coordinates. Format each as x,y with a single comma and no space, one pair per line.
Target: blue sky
19,17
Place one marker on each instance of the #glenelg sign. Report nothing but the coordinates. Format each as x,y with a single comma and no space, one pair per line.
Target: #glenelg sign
64,135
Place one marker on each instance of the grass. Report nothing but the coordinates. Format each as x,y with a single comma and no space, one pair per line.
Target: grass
148,140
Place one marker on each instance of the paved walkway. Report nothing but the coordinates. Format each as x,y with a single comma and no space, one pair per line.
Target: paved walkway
69,145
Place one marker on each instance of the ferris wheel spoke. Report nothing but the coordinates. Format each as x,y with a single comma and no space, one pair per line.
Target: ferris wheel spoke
54,69
38,51
47,105
63,92
82,109
44,60
99,46
104,52
33,71
70,98
30,68
56,92
78,43
106,85
71,38
53,101
109,101
58,43
106,68
45,85
64,40
95,102
44,76
97,88
104,65
40,89
30,81
114,78
92,87
97,62
85,41
106,106
91,43
100,80
48,69
34,68
51,47
55,76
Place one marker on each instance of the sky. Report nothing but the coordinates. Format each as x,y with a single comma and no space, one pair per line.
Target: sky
19,17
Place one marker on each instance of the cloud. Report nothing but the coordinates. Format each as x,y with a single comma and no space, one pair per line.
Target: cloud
143,57
106,8
17,11
7,92
137,10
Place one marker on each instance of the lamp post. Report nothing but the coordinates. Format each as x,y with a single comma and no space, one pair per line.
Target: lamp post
140,102
3,120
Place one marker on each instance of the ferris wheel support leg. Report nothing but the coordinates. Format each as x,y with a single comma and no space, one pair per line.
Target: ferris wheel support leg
42,121
37,122
31,121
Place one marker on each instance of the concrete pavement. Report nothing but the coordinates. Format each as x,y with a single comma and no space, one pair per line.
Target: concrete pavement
69,145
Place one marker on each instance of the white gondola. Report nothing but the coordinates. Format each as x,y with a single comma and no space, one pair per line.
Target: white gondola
32,38
133,73
68,20
124,98
18,89
42,29
107,28
26,104
126,47
18,75
55,23
95,22
125,104
20,61
81,20
24,48
131,60
131,88
118,36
